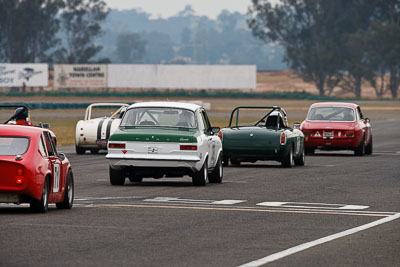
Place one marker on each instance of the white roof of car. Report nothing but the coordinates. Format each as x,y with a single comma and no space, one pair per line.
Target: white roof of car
166,104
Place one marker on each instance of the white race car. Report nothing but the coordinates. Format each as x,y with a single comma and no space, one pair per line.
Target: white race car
165,139
93,133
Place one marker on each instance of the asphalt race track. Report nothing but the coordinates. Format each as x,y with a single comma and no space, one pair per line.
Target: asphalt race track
337,210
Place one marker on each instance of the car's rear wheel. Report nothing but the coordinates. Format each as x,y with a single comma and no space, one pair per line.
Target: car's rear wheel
200,178
369,147
299,161
217,174
94,150
135,179
225,161
287,160
310,151
68,194
117,177
41,206
80,150
235,162
360,150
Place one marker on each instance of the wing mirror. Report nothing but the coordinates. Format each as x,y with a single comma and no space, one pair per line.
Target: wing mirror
46,125
214,130
61,156
296,125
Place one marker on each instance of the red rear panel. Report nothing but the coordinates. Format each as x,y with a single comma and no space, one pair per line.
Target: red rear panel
11,174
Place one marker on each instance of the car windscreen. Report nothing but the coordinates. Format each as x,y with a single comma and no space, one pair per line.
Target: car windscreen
12,146
159,116
262,117
331,114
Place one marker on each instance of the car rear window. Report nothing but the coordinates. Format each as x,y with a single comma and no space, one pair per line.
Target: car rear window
11,146
331,114
158,116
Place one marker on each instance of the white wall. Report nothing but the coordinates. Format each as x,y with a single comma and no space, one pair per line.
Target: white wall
182,76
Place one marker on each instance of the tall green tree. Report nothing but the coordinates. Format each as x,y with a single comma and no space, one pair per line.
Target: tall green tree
80,24
384,52
356,45
131,48
310,32
28,30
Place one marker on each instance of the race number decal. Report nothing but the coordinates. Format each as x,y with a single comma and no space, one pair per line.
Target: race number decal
56,185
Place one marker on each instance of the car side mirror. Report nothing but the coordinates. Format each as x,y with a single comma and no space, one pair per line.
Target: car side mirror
296,125
61,156
215,130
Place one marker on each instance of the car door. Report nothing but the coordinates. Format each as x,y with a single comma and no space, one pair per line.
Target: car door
211,140
56,165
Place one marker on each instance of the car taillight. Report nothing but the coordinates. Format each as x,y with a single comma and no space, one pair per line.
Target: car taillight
307,132
116,145
188,147
349,133
220,135
19,179
283,138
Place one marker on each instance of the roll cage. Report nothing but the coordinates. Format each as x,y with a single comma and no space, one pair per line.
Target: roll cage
270,109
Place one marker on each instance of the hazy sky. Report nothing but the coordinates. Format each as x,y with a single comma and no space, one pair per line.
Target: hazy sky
167,8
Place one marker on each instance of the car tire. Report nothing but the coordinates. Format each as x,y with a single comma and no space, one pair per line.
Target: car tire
310,151
94,150
369,147
299,161
360,150
225,161
287,160
80,150
218,173
135,179
200,178
235,162
68,194
42,205
117,177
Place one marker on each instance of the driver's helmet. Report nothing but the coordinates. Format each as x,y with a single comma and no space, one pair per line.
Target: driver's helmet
21,113
22,116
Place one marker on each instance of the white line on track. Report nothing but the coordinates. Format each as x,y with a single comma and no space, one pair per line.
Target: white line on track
293,250
243,209
104,198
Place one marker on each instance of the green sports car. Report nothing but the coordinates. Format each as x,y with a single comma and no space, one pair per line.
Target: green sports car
251,137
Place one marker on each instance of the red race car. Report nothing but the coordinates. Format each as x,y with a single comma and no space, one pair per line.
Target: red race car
337,126
31,169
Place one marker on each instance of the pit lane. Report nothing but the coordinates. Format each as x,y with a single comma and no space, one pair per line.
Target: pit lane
118,225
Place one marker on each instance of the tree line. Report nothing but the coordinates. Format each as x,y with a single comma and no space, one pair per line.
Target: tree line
62,31
340,43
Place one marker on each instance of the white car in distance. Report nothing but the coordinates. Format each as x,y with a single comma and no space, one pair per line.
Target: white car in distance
92,132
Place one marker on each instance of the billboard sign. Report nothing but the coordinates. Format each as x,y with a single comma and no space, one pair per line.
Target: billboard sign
17,75
80,76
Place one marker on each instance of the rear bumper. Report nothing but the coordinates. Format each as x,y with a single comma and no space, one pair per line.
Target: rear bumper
334,144
246,154
10,197
193,163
